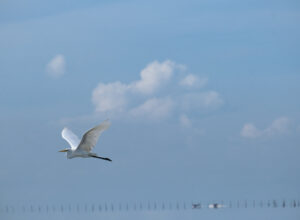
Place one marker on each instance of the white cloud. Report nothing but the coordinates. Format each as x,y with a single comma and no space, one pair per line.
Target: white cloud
110,97
154,108
136,98
114,96
277,127
250,131
56,66
192,80
153,76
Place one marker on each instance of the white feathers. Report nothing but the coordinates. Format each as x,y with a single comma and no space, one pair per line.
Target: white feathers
91,137
70,137
88,140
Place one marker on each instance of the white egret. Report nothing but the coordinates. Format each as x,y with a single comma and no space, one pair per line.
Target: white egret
89,139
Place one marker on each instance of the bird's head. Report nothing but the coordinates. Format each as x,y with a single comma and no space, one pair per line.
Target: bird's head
65,150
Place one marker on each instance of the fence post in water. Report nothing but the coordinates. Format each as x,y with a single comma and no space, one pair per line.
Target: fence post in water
274,204
141,206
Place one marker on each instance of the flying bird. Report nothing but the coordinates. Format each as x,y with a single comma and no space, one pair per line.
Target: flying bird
88,141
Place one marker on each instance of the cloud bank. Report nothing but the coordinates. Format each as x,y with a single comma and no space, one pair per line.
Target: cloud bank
157,94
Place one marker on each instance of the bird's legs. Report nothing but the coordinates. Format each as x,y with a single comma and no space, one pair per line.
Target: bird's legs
103,158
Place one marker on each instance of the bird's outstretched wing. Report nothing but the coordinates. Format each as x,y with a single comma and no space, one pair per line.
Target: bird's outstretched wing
91,137
70,137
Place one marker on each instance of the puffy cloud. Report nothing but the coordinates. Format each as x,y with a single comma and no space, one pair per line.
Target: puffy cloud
154,108
250,131
192,80
278,126
153,76
56,66
114,96
136,99
110,97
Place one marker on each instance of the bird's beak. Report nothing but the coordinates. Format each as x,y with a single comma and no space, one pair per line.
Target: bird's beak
65,150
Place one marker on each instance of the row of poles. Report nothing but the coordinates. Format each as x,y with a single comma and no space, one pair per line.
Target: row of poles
111,207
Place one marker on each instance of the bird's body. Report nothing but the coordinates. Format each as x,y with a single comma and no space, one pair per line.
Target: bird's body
77,153
83,148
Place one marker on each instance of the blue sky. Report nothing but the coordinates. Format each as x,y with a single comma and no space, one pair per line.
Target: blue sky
202,95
